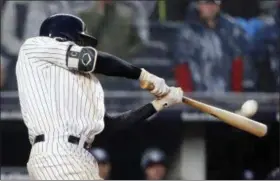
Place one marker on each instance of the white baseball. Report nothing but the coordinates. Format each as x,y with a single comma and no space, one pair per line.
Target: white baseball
249,108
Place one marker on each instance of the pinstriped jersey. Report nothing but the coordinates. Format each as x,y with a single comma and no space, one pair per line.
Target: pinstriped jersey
53,98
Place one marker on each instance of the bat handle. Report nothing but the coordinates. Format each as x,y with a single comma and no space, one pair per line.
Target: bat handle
147,85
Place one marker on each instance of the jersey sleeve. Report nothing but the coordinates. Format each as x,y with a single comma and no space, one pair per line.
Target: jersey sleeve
64,54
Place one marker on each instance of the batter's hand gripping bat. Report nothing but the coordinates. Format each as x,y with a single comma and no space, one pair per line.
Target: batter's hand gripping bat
235,120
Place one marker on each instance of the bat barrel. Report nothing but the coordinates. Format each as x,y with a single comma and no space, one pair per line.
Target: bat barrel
235,120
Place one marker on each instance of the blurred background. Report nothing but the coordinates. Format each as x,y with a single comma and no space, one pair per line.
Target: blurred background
222,53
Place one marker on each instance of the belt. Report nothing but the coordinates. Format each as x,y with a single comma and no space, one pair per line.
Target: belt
71,139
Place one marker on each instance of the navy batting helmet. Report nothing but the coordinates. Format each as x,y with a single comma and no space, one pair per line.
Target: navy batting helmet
100,155
274,174
218,2
69,27
153,156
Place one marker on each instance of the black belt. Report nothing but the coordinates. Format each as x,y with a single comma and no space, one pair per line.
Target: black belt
71,139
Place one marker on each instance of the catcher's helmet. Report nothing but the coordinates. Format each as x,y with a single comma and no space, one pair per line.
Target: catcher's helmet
68,27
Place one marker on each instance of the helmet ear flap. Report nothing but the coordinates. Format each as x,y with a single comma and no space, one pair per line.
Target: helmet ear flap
68,36
81,42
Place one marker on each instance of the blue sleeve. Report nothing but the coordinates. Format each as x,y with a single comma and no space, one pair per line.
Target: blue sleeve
251,26
242,23
255,25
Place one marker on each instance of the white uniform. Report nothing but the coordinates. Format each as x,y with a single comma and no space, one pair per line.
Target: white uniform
58,102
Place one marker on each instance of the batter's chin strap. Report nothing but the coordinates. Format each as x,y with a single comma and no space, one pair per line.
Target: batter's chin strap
81,58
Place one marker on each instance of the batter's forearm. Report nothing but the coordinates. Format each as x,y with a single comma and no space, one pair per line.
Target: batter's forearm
139,114
111,65
122,120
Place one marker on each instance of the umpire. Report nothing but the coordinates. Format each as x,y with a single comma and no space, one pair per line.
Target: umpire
274,174
103,160
154,164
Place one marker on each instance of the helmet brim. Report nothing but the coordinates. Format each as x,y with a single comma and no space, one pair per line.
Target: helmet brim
88,40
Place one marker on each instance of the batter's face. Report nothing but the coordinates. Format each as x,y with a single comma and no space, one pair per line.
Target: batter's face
104,170
155,172
208,10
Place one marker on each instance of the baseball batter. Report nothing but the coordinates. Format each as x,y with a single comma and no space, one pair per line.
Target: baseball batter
62,101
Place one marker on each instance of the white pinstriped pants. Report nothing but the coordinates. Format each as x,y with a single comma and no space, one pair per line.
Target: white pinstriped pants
57,159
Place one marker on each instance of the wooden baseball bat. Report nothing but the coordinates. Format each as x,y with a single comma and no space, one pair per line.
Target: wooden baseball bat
235,120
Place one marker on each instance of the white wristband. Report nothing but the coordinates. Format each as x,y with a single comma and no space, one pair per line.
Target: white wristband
159,105
144,74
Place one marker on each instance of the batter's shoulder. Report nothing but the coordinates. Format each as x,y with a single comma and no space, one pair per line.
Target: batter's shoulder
38,40
45,42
